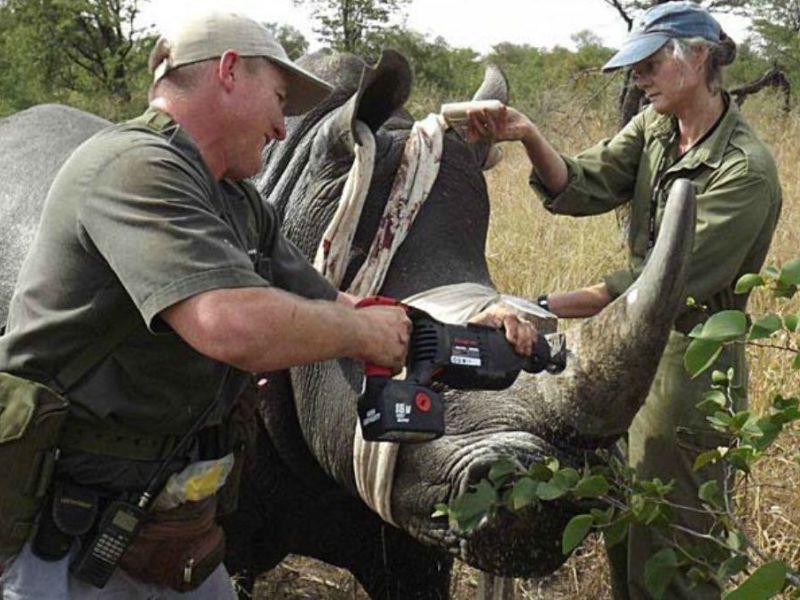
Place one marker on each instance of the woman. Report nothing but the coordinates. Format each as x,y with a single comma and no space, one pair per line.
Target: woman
691,129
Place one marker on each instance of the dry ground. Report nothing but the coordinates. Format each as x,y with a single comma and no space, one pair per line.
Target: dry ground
530,252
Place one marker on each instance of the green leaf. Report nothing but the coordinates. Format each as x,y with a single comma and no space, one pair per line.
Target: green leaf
724,326
767,581
706,458
440,510
713,400
700,355
781,403
720,421
748,282
709,492
791,321
575,532
784,291
469,508
539,472
696,331
502,470
736,540
765,327
741,458
733,566
523,493
697,575
552,464
719,378
790,273
591,487
659,571
602,517
740,419
796,362
616,532
562,481
569,476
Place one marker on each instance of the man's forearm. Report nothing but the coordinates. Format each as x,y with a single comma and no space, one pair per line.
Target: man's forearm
267,329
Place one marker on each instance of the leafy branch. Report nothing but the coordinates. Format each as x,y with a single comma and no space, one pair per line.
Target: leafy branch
724,554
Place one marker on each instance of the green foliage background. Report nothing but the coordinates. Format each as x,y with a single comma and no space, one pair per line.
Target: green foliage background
92,54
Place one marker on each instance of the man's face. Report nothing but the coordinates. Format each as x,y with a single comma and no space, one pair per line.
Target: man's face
257,116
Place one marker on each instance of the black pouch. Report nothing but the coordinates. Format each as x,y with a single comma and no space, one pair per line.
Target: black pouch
31,418
71,511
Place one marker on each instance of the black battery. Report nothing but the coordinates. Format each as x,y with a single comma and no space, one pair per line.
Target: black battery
399,411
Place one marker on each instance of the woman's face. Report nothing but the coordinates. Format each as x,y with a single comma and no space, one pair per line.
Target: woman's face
669,83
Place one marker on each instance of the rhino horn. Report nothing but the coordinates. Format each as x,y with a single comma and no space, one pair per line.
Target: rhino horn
613,354
494,87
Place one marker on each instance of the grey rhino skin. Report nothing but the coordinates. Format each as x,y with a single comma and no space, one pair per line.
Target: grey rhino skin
299,494
588,406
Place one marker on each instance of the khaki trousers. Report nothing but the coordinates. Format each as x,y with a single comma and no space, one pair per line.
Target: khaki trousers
664,439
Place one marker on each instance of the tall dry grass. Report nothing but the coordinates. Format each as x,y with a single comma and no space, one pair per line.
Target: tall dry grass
531,251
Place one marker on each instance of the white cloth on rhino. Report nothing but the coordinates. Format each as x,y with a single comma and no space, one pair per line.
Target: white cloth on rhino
374,462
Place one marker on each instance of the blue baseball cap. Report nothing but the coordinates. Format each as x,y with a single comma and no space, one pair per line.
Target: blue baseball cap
658,25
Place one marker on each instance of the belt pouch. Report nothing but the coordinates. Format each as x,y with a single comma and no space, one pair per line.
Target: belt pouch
31,417
71,512
177,548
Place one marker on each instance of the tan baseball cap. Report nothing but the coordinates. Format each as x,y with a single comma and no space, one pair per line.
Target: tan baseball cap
211,35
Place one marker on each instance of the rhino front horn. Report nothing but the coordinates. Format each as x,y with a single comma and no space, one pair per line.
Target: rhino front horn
612,364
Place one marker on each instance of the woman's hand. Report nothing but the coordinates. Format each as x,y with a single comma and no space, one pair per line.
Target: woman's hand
520,333
504,124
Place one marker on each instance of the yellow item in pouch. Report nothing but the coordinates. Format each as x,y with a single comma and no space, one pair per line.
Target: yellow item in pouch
196,482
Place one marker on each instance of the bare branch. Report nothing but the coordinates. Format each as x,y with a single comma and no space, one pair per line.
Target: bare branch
774,77
616,4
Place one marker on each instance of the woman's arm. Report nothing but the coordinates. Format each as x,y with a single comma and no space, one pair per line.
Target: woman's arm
507,124
585,302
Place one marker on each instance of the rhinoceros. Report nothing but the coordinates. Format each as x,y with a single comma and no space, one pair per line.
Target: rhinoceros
299,493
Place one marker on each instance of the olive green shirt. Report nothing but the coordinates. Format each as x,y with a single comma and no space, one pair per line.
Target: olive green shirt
134,223
734,177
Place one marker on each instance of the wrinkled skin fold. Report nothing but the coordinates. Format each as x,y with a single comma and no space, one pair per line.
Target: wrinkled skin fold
299,492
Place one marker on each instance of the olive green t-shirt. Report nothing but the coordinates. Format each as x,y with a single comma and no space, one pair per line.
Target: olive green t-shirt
134,223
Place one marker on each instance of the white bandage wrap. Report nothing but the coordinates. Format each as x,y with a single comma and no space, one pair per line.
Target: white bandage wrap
374,462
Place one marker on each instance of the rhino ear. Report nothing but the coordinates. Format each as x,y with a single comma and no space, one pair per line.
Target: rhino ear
382,90
494,87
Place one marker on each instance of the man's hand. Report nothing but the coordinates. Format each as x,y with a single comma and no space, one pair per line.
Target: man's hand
347,299
384,336
520,333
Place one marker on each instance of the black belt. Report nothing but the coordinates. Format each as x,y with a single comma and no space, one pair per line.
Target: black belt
82,436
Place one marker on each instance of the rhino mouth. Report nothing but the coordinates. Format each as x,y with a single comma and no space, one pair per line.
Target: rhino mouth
524,543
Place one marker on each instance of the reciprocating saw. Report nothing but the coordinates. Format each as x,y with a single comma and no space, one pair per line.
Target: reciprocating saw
462,357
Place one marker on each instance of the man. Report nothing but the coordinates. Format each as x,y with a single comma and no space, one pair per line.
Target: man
160,267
